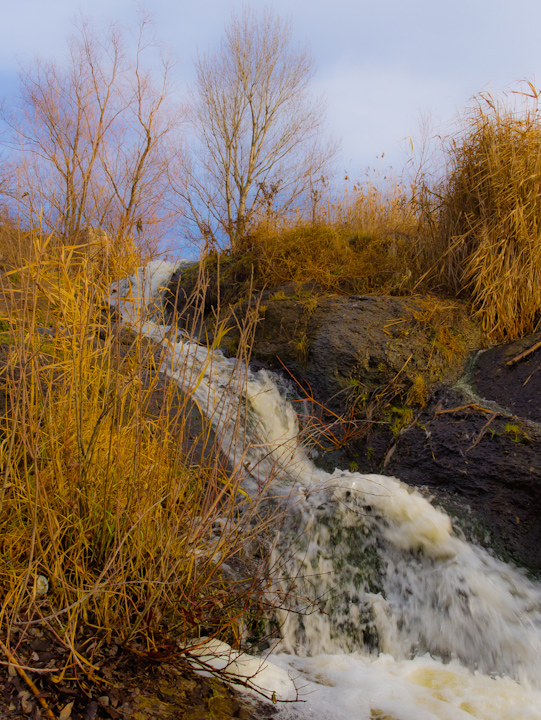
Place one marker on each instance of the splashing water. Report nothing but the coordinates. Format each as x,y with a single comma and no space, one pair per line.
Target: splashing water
400,618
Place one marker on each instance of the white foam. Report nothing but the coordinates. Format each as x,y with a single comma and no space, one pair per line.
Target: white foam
357,687
133,295
413,523
379,561
262,677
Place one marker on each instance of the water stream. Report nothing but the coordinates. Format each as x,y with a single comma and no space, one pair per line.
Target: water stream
398,618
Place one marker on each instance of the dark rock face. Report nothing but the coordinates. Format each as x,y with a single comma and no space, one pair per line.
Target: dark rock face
196,290
465,453
517,386
487,460
486,454
182,299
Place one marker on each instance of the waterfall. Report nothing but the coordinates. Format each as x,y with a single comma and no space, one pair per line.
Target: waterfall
391,615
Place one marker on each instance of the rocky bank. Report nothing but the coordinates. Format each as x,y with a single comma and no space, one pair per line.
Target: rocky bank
433,403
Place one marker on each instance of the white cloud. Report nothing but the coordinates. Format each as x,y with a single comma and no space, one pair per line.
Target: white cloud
379,64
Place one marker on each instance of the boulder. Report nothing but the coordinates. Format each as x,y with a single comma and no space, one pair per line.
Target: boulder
459,422
93,243
365,351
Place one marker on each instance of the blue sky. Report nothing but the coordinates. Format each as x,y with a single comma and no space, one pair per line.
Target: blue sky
380,63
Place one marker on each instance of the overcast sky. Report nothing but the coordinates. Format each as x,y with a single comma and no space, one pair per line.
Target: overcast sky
380,63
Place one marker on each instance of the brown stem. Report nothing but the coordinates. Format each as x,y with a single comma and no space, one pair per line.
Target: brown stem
13,660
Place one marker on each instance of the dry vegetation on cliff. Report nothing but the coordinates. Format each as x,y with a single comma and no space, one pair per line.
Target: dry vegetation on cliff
363,240
488,235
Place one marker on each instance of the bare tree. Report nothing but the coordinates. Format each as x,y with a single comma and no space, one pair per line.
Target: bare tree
93,140
257,127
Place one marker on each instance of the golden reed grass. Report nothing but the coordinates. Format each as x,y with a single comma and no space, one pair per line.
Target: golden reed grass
114,491
489,219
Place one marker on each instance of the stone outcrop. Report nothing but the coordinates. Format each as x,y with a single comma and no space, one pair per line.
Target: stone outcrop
365,350
94,243
480,442
481,462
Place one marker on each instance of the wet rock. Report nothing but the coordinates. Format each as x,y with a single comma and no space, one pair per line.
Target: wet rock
472,445
347,349
359,350
350,348
515,386
195,291
460,445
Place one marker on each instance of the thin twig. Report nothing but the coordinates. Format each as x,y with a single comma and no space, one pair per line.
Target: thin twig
483,431
13,660
524,354
473,406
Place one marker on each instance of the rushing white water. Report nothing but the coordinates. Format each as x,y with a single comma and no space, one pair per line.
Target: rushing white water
400,619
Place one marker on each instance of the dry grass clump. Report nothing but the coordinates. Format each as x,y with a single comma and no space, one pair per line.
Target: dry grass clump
16,247
488,242
113,490
363,241
377,207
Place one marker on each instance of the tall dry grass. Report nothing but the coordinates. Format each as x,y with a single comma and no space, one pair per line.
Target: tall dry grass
487,242
118,511
363,238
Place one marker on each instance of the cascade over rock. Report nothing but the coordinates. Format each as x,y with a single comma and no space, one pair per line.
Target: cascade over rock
397,360
480,442
386,611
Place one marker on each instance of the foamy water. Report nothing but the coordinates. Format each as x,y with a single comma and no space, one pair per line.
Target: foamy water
399,618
